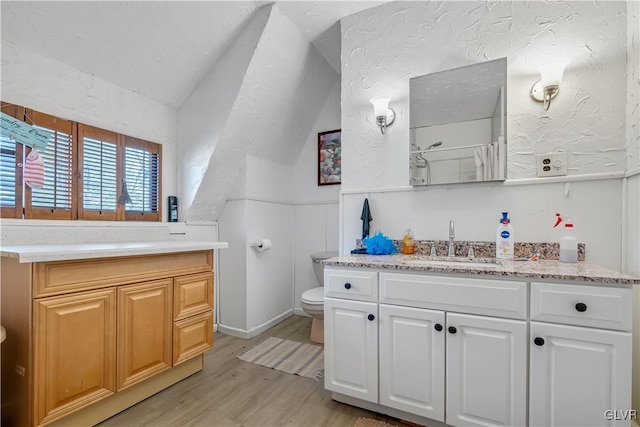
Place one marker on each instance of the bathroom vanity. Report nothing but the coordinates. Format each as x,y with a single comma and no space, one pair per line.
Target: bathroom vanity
470,343
95,328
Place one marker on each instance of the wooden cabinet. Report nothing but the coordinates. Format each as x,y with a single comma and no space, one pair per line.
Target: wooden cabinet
84,331
351,348
75,348
144,331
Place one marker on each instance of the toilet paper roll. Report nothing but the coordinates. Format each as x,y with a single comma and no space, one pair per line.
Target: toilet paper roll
263,245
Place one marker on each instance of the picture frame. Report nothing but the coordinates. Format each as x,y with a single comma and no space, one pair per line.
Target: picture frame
330,157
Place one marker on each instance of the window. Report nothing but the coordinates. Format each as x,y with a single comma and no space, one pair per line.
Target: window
99,173
90,173
55,199
11,158
142,178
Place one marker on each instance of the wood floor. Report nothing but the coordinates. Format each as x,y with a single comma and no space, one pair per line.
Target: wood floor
231,392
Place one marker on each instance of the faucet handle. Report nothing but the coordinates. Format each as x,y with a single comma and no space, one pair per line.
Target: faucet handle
433,249
471,253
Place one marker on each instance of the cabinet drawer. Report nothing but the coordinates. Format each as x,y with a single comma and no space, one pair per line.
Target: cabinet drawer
595,306
351,284
57,277
192,295
192,336
500,298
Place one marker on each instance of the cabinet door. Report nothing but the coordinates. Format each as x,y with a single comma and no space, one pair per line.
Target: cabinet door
579,376
412,360
144,331
351,348
75,349
486,371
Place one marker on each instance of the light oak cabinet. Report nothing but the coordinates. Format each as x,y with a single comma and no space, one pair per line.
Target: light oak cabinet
99,328
75,352
144,331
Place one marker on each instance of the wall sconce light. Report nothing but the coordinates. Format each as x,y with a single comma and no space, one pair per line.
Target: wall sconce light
549,84
384,115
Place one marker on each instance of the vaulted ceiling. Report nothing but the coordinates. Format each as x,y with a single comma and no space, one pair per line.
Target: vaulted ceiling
159,49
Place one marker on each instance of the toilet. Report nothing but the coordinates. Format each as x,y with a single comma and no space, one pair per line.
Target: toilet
312,301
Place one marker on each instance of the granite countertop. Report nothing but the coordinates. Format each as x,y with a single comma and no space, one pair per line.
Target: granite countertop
62,252
541,269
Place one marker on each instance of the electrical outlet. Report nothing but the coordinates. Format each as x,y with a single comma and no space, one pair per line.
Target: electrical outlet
552,164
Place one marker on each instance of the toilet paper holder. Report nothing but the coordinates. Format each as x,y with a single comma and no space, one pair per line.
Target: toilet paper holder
261,244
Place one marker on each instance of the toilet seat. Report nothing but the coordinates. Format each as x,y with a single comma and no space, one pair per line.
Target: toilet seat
313,296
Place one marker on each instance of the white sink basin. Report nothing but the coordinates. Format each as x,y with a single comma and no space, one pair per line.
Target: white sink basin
456,263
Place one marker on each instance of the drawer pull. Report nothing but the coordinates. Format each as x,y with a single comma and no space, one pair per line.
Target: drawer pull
538,341
371,317
347,285
438,327
581,307
452,329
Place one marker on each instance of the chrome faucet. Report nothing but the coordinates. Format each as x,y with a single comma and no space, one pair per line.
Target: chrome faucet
452,244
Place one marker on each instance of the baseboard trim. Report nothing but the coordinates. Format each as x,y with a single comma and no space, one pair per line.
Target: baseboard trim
248,334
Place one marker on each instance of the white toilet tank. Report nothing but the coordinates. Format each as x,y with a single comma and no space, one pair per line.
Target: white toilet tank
318,267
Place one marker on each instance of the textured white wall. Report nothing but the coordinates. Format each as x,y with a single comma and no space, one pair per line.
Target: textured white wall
202,117
52,87
282,91
633,87
268,180
316,214
383,47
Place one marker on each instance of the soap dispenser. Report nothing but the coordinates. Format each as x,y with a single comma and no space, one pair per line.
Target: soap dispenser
408,244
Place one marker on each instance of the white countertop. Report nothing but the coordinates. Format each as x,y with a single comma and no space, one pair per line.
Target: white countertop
62,252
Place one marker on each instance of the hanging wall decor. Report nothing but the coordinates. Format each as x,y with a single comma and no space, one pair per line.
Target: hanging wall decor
329,157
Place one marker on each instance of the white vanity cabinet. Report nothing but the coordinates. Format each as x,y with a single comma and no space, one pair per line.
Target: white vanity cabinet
351,348
580,355
412,360
430,340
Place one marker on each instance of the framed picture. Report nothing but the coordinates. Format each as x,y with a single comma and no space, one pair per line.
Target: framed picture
329,157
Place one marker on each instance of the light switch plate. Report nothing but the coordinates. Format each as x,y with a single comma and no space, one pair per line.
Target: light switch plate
552,164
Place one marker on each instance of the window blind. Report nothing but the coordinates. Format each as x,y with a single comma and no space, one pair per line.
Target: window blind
99,175
11,159
7,172
141,176
58,172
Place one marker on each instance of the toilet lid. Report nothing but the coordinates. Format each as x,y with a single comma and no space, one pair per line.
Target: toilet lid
313,296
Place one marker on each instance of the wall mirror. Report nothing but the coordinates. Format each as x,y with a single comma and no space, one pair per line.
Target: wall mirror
458,125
